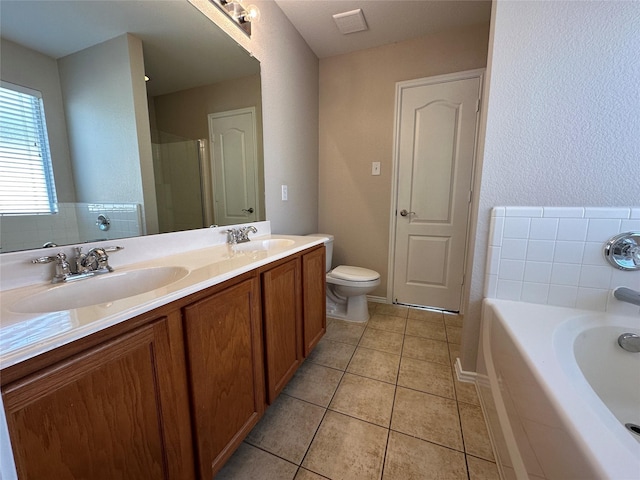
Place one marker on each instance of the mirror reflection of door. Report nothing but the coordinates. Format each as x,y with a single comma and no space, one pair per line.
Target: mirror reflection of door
234,165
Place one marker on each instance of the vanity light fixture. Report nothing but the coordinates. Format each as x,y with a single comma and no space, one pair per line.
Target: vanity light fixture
239,13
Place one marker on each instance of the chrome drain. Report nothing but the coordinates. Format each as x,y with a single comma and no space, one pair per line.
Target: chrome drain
633,428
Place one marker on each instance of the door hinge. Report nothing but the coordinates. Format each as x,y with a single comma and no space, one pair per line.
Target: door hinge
470,196
478,105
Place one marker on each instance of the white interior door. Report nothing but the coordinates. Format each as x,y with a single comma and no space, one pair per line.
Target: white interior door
436,122
234,164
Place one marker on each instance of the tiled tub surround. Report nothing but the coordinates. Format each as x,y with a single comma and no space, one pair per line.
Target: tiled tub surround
74,223
554,256
375,400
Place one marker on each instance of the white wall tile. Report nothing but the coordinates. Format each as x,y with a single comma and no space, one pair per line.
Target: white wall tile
601,230
544,228
568,252
593,254
514,248
540,250
554,255
572,229
595,276
524,211
606,212
562,296
508,289
511,270
592,299
535,292
537,272
493,260
563,212
565,274
516,227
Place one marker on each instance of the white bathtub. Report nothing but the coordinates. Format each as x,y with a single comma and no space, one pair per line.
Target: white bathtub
557,391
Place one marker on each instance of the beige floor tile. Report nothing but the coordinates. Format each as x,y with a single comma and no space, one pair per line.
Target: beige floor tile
429,377
474,431
251,463
412,458
332,354
345,332
428,315
480,469
308,475
364,398
375,364
426,349
287,428
428,417
314,383
389,342
347,448
466,392
453,320
391,323
454,334
454,353
388,309
426,329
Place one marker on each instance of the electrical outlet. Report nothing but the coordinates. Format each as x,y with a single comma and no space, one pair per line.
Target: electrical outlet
375,168
285,193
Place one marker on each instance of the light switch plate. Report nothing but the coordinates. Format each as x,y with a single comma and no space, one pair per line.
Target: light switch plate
375,168
285,193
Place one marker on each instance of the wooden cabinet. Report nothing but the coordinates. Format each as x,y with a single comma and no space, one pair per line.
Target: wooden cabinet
282,323
226,373
172,393
313,298
108,412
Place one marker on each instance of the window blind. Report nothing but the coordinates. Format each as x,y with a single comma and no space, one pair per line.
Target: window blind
26,175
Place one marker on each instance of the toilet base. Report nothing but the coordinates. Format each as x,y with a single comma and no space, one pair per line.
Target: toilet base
355,309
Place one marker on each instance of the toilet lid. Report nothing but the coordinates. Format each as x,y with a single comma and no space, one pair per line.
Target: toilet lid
355,274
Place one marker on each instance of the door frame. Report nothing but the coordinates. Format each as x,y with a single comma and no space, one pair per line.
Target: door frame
256,181
393,217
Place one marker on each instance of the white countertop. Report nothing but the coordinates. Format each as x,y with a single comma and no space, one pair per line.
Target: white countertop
25,335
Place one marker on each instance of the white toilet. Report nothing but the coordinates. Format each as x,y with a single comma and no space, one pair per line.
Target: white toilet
347,287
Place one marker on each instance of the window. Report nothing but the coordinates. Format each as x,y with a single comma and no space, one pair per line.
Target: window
26,175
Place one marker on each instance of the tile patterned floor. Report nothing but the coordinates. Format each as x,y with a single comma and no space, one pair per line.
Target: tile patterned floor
373,401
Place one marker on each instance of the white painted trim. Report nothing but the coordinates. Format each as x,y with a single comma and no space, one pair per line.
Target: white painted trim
464,375
376,299
393,219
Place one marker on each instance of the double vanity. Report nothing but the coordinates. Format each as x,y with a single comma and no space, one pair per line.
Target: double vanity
160,368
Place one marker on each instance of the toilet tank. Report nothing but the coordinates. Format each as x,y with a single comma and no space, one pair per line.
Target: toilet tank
328,244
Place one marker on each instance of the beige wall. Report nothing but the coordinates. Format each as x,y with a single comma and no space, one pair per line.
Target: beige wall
357,101
289,78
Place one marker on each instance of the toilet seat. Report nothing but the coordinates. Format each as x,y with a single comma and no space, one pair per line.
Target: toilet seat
353,274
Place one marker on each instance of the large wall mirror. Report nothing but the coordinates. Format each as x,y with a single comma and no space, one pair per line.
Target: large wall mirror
177,150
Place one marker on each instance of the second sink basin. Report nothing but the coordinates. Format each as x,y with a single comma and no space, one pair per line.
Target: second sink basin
99,289
257,245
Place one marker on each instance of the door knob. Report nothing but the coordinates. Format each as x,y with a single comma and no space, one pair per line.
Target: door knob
404,212
248,210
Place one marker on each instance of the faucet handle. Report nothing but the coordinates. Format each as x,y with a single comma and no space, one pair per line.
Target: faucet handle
63,269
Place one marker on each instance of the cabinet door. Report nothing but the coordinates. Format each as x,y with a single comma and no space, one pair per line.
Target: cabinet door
226,372
110,412
282,324
313,298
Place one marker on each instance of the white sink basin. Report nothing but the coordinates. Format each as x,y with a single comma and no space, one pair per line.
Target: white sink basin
99,289
257,245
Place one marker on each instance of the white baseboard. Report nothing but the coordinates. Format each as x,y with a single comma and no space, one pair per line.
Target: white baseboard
464,375
375,299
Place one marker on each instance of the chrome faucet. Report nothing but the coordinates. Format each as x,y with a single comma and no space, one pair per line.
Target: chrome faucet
239,235
628,295
94,262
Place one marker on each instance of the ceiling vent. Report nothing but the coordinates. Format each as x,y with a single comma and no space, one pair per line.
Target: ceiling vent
350,22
